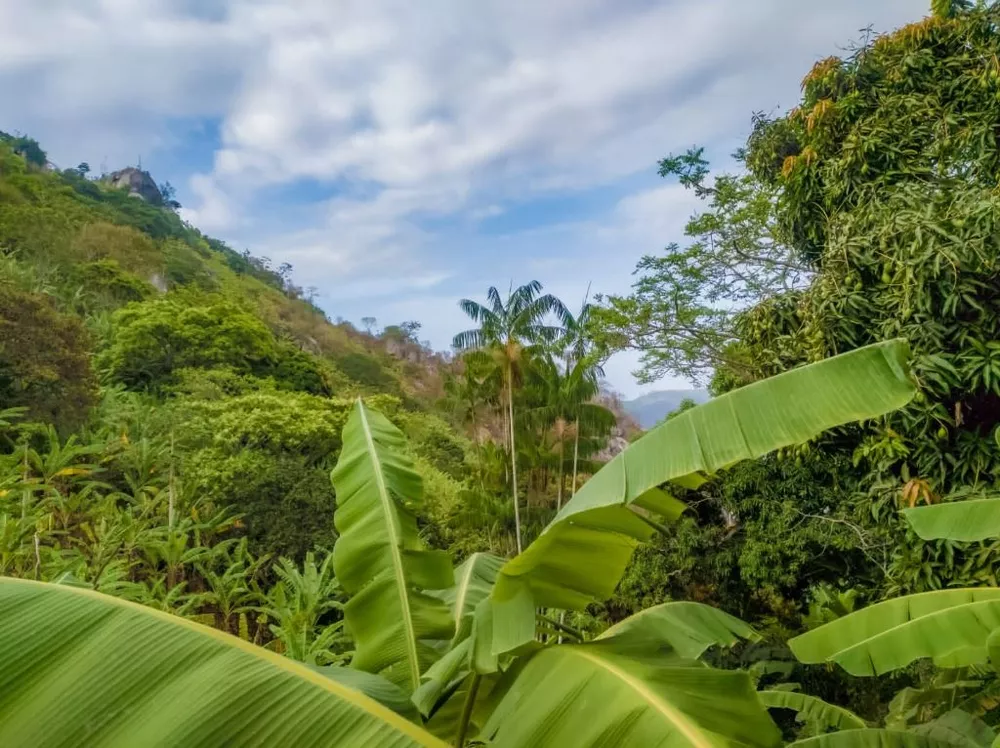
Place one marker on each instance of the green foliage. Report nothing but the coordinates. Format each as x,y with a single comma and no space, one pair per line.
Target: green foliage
152,340
109,285
379,557
366,370
44,361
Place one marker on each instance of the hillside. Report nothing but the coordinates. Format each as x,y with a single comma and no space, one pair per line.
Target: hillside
651,408
123,326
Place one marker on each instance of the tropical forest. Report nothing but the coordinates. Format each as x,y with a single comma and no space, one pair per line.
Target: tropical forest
231,518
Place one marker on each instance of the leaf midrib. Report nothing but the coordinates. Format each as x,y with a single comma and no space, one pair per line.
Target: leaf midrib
397,559
688,729
890,632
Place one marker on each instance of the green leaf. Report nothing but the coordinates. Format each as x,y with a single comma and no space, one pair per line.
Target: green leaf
871,739
379,557
582,554
687,628
374,686
958,728
610,692
474,579
976,519
951,626
813,710
81,668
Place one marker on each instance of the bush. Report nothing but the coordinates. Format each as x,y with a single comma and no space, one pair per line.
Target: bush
132,250
44,359
106,280
151,340
366,370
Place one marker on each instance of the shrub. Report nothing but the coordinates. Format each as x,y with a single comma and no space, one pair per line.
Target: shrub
44,359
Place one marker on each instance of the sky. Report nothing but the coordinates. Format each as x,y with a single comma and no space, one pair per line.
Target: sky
402,155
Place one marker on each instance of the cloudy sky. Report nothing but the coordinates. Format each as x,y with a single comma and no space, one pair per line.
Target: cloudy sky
402,155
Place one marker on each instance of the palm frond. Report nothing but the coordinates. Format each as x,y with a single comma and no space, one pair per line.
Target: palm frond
469,340
496,303
476,311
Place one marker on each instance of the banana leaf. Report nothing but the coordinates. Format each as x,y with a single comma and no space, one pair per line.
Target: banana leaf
371,685
609,692
811,709
959,728
379,557
581,555
872,739
972,520
950,626
474,579
688,628
81,668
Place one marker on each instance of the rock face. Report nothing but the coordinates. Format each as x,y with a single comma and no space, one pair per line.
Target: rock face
138,183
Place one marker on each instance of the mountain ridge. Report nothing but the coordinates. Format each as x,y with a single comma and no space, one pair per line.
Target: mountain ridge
651,408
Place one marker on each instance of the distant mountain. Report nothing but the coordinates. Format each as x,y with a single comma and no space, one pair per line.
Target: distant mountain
649,409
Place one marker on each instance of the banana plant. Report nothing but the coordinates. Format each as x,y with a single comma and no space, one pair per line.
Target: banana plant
639,683
379,557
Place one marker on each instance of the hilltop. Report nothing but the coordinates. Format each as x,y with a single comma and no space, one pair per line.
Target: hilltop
651,408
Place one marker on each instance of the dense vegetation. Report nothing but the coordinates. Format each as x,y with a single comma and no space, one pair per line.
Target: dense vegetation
810,556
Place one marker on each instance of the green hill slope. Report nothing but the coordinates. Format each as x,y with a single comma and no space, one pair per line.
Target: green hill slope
120,325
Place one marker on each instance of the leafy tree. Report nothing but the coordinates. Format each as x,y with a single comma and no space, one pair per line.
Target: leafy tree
44,359
683,310
507,330
151,341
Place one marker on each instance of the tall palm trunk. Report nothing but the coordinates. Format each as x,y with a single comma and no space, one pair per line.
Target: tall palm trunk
513,454
559,485
576,453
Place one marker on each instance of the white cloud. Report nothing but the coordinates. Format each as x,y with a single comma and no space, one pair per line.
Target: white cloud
435,109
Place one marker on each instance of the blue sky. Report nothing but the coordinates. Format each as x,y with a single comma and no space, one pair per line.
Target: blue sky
403,155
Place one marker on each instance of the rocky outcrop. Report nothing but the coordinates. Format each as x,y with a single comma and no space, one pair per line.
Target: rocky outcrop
138,183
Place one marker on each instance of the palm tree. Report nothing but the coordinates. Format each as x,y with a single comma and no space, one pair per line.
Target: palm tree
575,343
508,329
582,364
569,407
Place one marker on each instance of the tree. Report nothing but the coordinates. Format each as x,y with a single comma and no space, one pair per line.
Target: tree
83,169
152,340
369,324
44,359
568,408
169,195
682,312
583,370
897,213
508,329
30,151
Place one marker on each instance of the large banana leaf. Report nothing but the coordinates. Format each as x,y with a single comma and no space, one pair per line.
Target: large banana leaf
872,739
687,628
810,709
951,626
81,668
607,693
379,557
582,554
975,519
959,728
